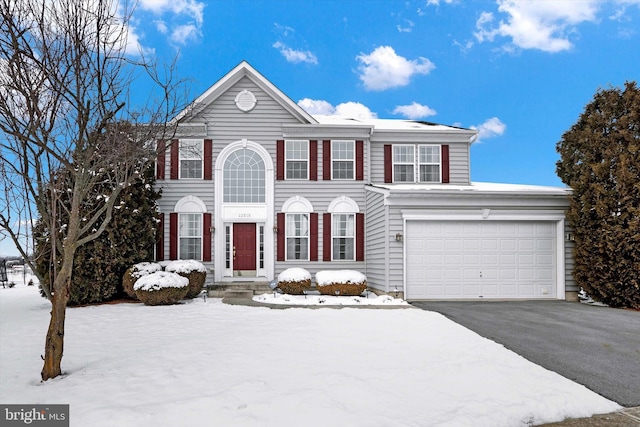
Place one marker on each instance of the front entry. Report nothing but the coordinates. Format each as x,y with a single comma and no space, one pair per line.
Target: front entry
244,249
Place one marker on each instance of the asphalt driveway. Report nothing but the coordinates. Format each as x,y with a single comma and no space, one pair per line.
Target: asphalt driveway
598,347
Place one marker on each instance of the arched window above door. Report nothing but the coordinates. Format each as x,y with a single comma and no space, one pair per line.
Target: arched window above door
244,177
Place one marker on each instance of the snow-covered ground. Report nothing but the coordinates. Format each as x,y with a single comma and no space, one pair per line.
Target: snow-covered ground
207,363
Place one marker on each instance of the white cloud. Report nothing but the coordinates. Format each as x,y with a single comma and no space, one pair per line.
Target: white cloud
355,110
490,128
414,111
384,69
407,28
187,18
317,106
296,56
533,24
437,2
352,110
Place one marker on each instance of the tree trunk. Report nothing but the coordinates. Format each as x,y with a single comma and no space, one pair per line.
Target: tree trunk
54,344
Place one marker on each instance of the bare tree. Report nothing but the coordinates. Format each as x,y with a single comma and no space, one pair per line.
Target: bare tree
65,125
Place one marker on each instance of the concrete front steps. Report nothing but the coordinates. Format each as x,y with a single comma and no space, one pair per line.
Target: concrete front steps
237,289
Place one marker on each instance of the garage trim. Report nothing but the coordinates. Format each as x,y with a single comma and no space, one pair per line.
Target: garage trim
493,215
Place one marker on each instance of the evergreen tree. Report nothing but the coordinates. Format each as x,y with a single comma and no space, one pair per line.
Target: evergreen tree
128,239
600,161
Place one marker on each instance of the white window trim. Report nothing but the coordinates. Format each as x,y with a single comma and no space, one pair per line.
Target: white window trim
336,236
417,158
200,236
180,158
288,236
394,163
344,205
353,144
416,163
296,160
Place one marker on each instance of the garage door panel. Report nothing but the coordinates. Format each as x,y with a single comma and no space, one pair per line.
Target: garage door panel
473,259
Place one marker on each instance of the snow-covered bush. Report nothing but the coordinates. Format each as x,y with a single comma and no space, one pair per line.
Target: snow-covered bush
193,270
135,272
294,281
341,282
161,288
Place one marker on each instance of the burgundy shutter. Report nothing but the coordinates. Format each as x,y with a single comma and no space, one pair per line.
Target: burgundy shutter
313,160
313,236
388,163
359,160
326,160
445,164
359,237
160,159
173,236
280,236
208,159
160,238
326,237
174,159
280,159
206,237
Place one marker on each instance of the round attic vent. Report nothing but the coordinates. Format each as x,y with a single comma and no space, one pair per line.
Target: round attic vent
245,101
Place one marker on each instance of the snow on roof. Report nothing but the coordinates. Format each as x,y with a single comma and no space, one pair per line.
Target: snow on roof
384,124
481,187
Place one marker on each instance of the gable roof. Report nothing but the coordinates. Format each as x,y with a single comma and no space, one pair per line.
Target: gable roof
232,77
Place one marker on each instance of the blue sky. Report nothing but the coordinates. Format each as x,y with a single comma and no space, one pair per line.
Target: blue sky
519,71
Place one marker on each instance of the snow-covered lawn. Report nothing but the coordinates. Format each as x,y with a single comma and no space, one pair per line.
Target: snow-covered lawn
212,364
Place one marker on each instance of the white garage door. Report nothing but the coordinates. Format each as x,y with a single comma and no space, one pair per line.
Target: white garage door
480,259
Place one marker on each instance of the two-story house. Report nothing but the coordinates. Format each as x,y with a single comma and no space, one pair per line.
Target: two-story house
253,184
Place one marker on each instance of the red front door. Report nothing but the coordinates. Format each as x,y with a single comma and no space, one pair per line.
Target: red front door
244,246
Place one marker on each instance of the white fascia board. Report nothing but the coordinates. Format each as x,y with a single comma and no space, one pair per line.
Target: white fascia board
426,136
326,131
483,214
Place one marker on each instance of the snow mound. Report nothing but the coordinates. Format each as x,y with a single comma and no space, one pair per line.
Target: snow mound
159,280
185,266
294,275
145,268
329,277
329,300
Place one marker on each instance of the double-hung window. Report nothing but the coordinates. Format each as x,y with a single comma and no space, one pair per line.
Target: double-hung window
191,154
343,159
297,159
190,236
429,163
343,237
297,230
417,163
403,163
